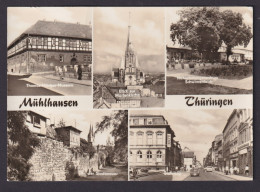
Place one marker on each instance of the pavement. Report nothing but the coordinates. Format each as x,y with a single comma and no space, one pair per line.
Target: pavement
107,174
209,176
246,83
185,176
235,177
40,85
162,176
69,80
180,176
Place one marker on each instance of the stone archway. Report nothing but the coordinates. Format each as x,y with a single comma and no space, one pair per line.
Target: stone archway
73,61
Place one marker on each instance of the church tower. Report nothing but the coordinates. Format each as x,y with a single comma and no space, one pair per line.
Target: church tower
130,77
91,134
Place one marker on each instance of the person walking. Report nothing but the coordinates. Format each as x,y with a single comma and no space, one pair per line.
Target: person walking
79,72
226,170
231,170
247,170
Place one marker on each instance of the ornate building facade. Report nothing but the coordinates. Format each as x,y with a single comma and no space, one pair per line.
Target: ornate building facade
151,143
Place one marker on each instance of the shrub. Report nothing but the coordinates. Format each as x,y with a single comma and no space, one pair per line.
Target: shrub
191,65
231,71
71,171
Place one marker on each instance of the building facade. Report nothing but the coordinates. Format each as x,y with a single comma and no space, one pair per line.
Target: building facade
230,135
47,45
245,140
151,143
188,158
69,135
37,123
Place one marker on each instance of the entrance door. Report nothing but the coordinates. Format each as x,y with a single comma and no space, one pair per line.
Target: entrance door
73,61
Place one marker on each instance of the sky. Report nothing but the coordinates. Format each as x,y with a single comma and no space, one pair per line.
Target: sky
20,19
173,17
81,119
110,36
195,129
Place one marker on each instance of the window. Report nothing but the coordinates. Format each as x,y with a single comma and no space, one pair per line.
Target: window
53,42
149,138
159,156
87,58
159,138
60,43
67,43
45,41
149,155
73,43
41,57
131,156
36,120
29,118
84,44
139,156
139,138
61,58
90,46
39,41
33,41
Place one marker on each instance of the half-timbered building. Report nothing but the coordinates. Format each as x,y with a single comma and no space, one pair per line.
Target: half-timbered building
47,45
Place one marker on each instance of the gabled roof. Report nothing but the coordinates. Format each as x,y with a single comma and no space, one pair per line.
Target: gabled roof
39,114
58,29
69,127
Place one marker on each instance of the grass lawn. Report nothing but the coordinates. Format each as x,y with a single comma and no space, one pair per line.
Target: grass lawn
178,87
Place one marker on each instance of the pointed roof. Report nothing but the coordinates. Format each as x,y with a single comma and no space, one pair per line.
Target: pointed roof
129,46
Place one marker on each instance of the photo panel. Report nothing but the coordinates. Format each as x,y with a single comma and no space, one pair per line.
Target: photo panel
77,145
49,51
129,57
209,50
191,145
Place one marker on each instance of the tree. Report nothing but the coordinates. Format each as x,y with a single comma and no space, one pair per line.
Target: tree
233,31
198,28
119,122
87,147
21,144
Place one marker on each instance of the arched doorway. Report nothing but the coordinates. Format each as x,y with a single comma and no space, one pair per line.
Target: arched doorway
73,61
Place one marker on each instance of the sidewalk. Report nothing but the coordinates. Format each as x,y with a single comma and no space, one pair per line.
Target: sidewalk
236,177
69,80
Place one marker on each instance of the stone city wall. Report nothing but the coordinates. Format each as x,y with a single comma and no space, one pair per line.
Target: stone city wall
49,161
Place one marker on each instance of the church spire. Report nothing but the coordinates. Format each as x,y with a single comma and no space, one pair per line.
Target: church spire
90,134
128,36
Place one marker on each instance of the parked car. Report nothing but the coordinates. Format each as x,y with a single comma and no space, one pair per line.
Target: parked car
195,172
209,169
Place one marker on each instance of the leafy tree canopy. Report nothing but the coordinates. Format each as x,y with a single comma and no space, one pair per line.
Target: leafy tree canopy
234,32
198,28
205,29
21,143
118,121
